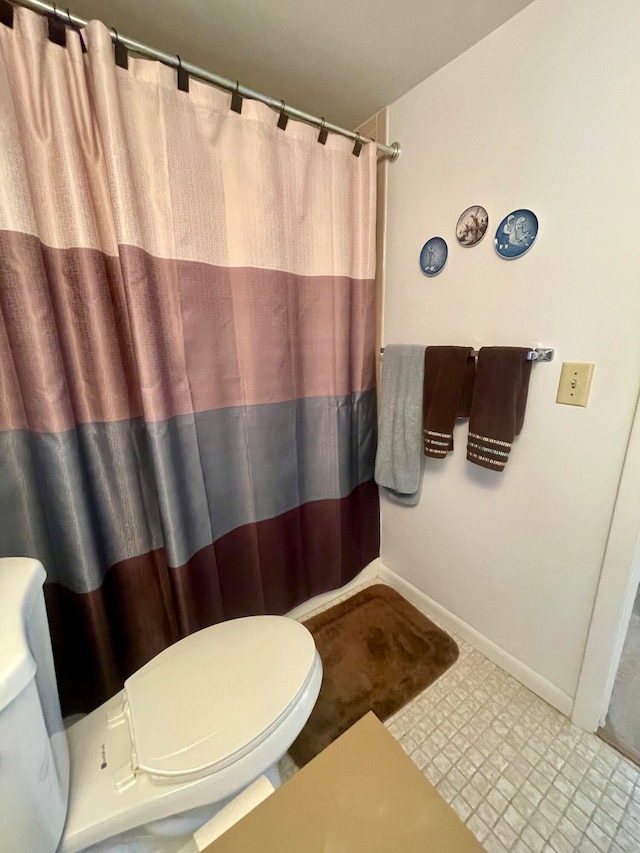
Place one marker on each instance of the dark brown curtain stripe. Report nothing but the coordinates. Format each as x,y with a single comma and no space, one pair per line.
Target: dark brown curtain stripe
101,637
144,605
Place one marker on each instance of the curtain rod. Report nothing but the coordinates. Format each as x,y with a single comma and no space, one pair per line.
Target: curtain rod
391,151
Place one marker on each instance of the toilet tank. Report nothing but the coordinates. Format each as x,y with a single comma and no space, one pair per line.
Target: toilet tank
34,756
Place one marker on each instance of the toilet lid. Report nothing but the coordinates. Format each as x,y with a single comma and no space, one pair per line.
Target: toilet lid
212,695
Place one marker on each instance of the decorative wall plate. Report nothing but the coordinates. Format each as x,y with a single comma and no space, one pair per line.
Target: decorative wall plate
516,233
433,256
472,225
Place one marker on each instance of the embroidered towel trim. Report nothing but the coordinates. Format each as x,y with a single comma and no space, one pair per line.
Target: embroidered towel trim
498,405
449,374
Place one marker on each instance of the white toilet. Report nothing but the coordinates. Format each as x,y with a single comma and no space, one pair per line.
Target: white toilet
193,727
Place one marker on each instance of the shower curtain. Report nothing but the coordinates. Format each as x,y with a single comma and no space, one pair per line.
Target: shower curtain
187,402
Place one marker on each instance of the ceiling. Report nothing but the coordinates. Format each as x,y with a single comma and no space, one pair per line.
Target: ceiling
342,59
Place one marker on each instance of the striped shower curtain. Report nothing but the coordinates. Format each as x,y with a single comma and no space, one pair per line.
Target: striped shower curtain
187,403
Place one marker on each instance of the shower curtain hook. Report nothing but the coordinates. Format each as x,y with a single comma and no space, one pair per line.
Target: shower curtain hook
122,57
324,133
183,76
357,148
56,28
236,99
6,14
284,118
73,26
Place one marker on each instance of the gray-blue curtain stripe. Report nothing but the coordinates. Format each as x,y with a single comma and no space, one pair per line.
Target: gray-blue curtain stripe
87,498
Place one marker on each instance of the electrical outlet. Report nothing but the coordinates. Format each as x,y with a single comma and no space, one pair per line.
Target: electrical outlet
575,383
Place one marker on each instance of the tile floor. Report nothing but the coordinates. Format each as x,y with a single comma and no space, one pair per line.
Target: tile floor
520,775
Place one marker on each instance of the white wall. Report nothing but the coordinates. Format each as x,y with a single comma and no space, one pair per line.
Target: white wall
544,113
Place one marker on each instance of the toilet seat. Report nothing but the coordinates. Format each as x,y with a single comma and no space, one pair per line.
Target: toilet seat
215,695
108,796
199,723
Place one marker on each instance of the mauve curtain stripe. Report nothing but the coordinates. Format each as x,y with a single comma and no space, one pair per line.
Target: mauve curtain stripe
88,332
187,359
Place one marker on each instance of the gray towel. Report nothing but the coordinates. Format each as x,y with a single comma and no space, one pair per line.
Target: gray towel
399,458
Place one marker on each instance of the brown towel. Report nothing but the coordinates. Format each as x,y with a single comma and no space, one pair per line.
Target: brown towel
497,408
448,384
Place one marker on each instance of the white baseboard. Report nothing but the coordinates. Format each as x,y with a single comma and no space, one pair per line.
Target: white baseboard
369,573
520,671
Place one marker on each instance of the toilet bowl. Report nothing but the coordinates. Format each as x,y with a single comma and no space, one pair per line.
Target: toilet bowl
190,729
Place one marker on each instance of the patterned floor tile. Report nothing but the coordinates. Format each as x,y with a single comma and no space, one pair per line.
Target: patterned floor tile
519,773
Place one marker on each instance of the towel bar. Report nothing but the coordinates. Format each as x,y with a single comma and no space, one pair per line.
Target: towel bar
536,354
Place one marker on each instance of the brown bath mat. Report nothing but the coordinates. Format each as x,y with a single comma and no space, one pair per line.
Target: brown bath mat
378,652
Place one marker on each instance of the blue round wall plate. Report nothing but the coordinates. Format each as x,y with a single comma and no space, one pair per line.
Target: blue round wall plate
433,256
516,233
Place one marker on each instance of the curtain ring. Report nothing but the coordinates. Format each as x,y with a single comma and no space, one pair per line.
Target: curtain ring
283,119
183,76
324,133
73,26
357,148
236,99
56,27
120,51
